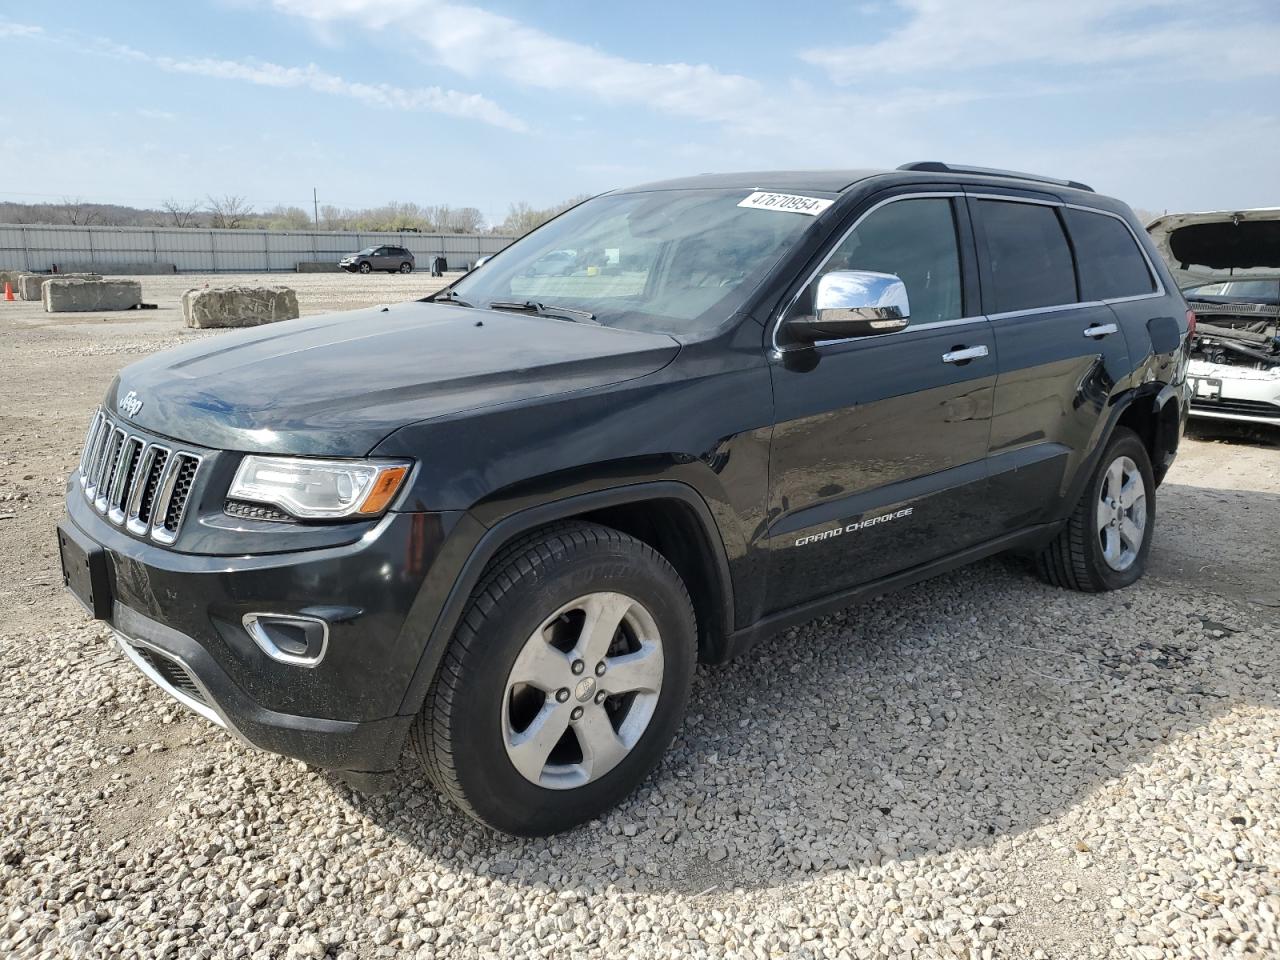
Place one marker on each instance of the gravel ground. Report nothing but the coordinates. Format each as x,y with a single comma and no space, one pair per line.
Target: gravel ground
979,766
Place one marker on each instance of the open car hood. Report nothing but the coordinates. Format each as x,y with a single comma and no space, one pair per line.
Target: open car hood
1222,245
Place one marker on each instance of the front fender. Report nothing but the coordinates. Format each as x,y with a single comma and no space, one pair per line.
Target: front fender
475,543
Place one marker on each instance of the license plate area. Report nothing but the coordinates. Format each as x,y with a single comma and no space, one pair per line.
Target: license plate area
1206,388
84,574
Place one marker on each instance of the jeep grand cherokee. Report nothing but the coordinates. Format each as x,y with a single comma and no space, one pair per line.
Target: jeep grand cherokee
503,523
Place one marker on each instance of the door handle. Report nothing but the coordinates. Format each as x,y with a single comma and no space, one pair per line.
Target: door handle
1099,330
964,354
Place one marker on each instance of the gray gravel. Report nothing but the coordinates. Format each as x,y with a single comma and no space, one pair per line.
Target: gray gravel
979,766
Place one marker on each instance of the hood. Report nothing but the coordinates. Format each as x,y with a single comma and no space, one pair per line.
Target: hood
335,385
1227,244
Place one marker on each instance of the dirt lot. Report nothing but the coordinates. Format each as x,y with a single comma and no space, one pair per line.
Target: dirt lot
978,766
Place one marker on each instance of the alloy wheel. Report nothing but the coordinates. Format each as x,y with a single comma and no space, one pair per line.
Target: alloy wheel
582,690
1121,514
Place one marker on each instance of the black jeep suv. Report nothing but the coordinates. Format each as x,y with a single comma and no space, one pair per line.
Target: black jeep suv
504,523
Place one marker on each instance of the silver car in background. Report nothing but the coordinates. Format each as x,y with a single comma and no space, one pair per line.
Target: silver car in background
1227,264
388,257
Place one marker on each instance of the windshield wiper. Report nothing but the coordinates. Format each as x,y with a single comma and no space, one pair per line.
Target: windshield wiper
450,296
571,314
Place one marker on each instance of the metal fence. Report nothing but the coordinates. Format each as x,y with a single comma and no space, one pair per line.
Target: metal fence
40,247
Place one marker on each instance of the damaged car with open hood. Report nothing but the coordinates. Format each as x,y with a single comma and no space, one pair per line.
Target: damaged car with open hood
1228,267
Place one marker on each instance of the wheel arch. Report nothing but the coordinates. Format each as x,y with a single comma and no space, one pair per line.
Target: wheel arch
670,516
1155,416
1153,412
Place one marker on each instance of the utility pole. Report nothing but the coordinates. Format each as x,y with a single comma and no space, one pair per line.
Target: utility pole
315,202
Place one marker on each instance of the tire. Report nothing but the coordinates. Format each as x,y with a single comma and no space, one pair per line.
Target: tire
1095,550
365,267
406,268
480,718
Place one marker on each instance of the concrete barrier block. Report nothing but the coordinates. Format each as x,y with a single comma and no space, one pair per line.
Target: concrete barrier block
79,296
211,307
136,269
30,285
318,266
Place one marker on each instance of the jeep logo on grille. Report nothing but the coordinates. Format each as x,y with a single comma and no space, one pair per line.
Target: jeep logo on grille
130,404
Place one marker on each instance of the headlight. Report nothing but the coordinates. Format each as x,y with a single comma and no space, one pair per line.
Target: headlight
319,489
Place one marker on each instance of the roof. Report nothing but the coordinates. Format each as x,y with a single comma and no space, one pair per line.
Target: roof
833,182
817,181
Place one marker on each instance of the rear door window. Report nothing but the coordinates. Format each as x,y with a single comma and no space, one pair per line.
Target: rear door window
1028,256
1107,256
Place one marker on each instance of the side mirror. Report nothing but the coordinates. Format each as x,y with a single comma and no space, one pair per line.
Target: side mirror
853,303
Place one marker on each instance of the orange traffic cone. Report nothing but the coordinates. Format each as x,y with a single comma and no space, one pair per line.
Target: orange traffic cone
8,290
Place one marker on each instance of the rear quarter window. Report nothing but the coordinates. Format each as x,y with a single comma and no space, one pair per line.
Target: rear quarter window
1107,256
1027,255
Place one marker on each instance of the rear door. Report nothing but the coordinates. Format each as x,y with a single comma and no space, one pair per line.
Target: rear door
877,458
1061,357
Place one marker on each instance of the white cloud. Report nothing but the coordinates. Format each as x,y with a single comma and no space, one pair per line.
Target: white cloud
19,30
473,42
1171,38
150,113
471,106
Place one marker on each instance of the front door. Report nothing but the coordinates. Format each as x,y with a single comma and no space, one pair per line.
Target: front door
878,453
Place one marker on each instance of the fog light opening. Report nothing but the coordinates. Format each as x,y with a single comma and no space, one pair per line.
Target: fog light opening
289,638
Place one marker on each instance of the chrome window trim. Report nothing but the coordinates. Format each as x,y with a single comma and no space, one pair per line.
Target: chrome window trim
779,350
935,325
127,645
250,623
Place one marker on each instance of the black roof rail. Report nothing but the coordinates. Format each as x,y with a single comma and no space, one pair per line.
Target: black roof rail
936,166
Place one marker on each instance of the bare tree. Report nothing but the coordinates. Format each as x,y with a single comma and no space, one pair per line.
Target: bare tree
333,218
181,214
521,217
77,212
467,220
287,218
228,212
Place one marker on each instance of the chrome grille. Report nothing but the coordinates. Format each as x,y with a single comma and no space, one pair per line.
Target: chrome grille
136,483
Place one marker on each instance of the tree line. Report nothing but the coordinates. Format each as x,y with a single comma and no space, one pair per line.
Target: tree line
234,212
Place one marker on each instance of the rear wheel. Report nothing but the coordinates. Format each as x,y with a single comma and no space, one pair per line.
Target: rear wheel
564,683
406,268
1105,543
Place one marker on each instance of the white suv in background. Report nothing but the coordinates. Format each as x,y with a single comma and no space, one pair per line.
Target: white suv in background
1227,264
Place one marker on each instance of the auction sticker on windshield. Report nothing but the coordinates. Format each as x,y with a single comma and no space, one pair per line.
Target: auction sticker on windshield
787,202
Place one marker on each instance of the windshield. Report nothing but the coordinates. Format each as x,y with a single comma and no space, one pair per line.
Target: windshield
668,261
1258,291
365,252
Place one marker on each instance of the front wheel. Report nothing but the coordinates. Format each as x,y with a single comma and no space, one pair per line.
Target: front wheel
1105,543
366,267
564,683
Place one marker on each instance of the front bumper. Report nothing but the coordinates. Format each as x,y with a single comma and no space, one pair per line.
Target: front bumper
1224,392
179,619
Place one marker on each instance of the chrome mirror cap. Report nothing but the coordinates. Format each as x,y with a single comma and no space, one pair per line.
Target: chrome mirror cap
853,303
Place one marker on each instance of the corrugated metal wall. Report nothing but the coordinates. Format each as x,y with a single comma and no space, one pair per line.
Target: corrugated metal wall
39,247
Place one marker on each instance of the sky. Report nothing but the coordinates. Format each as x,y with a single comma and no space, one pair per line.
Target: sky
1168,104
